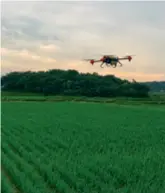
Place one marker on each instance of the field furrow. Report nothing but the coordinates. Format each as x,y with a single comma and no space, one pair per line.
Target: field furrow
24,167
7,183
49,173
82,148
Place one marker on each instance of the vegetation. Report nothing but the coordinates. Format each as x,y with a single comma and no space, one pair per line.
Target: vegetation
72,83
82,148
155,99
156,86
72,147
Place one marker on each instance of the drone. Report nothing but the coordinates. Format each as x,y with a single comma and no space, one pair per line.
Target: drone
110,60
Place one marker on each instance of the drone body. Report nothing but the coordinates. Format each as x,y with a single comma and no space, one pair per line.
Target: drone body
110,60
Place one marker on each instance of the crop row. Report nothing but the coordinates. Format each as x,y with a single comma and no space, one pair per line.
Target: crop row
82,148
53,173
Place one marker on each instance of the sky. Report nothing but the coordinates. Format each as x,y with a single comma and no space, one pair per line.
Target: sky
40,35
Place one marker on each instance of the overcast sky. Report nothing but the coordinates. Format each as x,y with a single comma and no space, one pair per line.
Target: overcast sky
47,35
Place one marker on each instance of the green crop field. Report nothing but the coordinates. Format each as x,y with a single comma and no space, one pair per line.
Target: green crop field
70,147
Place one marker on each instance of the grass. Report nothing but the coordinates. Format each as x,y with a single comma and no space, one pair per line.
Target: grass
14,93
154,99
73,147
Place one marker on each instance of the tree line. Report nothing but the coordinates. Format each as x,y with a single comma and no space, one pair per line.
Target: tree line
156,86
71,82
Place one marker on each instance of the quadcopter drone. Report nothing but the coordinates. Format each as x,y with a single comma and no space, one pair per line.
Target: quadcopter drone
110,60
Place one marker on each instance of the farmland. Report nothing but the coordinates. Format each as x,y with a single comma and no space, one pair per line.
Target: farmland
154,99
68,147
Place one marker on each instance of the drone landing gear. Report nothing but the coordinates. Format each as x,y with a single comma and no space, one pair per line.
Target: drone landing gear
110,64
102,65
120,64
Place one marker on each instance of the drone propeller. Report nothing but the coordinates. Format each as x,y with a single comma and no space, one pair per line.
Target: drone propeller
92,61
88,59
108,55
129,55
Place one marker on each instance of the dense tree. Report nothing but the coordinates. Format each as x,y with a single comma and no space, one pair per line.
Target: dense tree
71,82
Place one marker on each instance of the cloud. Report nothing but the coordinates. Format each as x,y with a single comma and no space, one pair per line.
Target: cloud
25,54
49,48
43,35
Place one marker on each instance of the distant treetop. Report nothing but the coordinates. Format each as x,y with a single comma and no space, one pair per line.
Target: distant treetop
71,82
